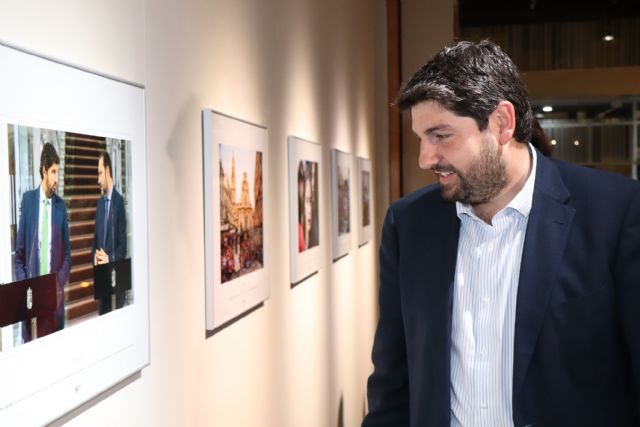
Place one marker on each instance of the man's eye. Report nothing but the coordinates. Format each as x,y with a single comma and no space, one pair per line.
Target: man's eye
439,138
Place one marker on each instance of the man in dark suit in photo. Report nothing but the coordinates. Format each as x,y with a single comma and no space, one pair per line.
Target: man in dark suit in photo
509,291
110,231
42,243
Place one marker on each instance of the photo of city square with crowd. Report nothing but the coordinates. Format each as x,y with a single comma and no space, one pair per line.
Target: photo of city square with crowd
241,212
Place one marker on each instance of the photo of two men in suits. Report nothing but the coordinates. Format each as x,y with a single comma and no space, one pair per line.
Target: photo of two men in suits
52,232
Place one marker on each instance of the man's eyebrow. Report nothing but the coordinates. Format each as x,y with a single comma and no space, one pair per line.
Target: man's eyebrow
437,128
429,131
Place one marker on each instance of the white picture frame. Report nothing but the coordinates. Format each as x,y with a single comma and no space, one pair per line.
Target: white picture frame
341,189
305,204
48,377
364,199
236,235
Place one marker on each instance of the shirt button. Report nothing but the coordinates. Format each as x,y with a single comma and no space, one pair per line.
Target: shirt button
486,300
483,352
484,406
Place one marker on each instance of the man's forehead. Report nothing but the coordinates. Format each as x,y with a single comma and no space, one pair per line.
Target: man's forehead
430,115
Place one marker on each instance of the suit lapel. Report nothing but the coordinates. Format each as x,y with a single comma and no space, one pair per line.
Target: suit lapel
435,272
547,231
446,259
56,229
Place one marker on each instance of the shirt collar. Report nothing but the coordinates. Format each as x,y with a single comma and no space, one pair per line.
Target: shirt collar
521,202
108,195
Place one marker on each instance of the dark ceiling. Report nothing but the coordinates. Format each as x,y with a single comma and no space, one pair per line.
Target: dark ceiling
474,13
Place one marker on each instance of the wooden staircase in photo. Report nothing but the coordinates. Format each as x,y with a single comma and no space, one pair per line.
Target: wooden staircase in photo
81,193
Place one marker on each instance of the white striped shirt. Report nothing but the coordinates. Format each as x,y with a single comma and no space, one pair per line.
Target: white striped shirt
484,311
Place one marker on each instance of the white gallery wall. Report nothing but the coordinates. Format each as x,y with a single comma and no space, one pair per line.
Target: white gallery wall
299,67
427,27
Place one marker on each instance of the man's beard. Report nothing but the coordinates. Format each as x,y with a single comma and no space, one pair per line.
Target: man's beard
49,190
483,179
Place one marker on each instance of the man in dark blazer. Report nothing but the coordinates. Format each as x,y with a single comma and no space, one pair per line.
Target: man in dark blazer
37,235
567,332
110,231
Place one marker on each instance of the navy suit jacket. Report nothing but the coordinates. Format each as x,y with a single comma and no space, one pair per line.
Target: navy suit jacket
577,327
114,243
27,260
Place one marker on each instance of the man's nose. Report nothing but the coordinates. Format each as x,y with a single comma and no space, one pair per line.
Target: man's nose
428,155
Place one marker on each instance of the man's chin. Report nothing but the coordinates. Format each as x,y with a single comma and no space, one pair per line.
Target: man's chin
448,192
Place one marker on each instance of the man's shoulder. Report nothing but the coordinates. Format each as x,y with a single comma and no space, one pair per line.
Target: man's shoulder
427,197
116,196
58,202
31,194
580,179
29,203
418,208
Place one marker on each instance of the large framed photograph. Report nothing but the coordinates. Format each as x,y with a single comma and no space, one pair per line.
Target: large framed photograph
341,202
305,195
364,200
236,198
74,307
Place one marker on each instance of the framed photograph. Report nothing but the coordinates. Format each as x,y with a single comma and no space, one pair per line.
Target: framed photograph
364,200
236,198
73,259
341,202
305,194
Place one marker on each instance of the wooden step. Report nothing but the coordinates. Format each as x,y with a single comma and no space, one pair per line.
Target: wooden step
81,256
81,227
79,214
80,308
81,241
81,272
73,190
75,169
81,179
79,290
81,160
83,150
84,140
82,201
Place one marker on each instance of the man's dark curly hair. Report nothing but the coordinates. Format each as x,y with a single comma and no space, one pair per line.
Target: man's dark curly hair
470,79
48,158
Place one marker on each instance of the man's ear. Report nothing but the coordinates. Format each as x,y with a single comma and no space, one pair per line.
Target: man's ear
505,118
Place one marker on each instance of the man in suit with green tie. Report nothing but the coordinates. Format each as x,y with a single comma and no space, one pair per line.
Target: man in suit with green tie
42,244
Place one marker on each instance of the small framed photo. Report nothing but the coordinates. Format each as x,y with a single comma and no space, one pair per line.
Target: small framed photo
236,197
341,202
305,195
364,200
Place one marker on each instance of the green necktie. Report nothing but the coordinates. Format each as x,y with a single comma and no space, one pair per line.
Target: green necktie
44,239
